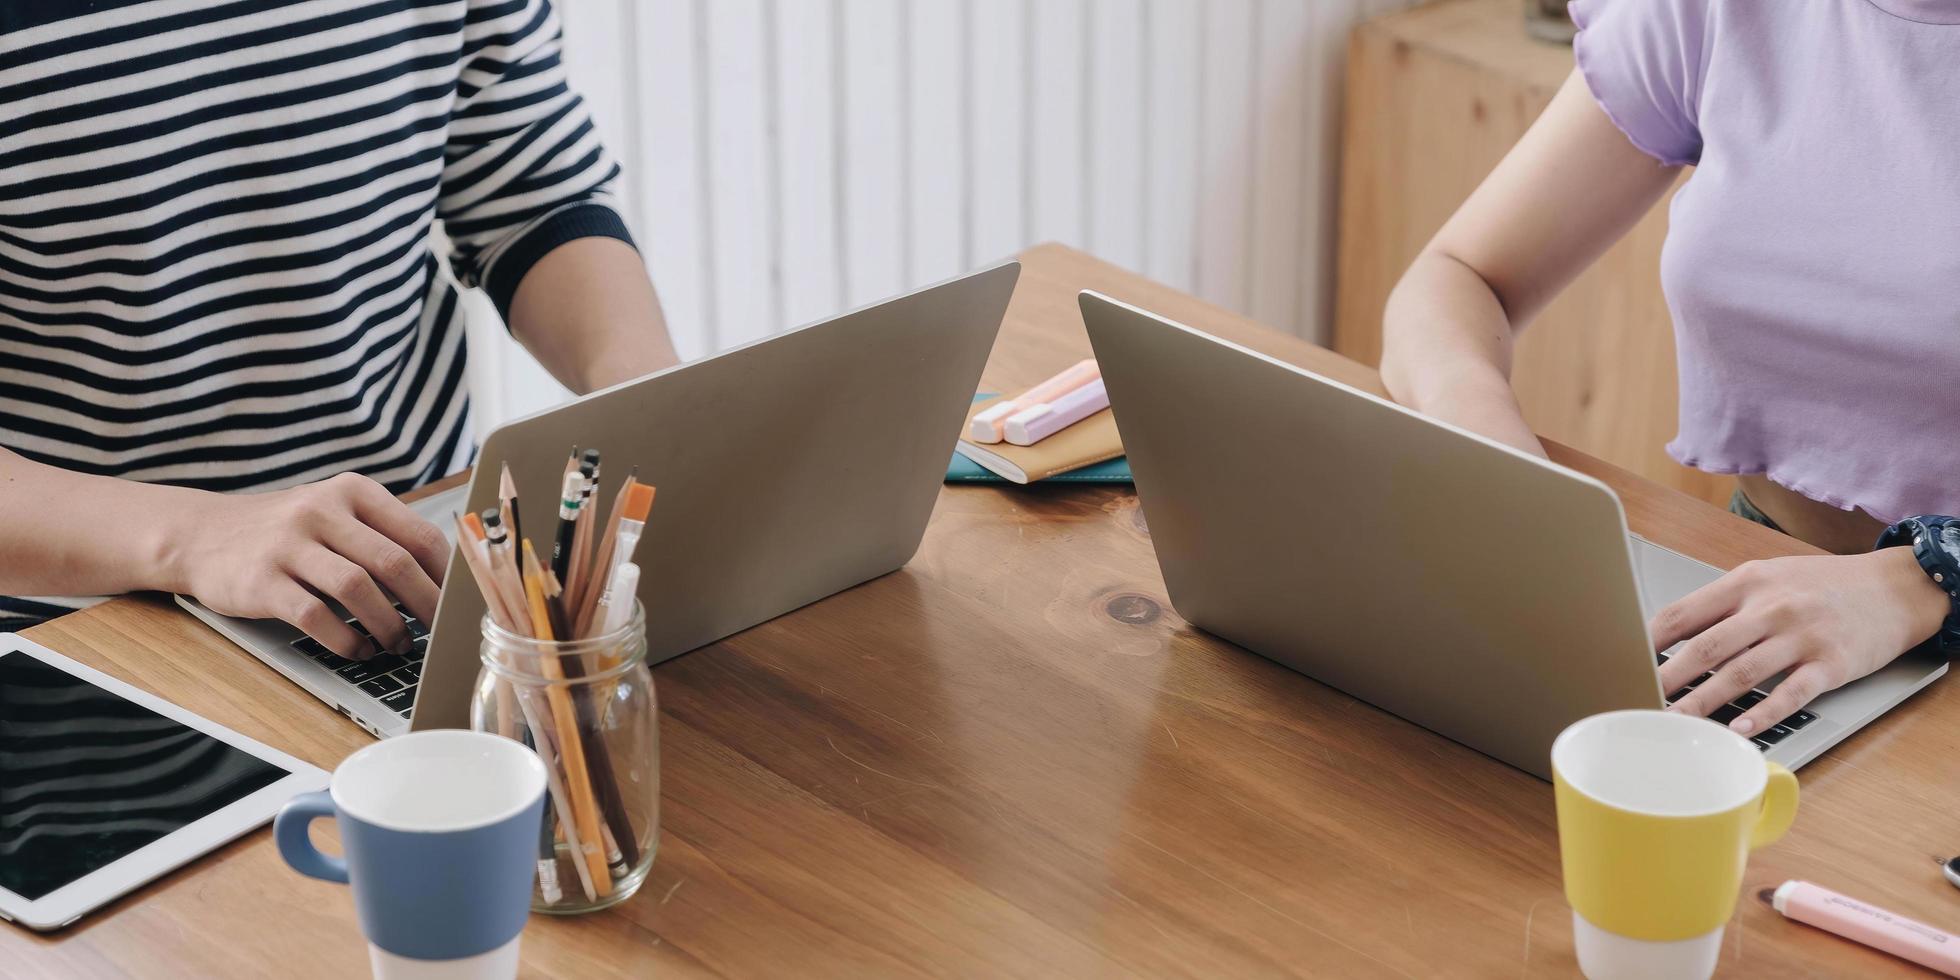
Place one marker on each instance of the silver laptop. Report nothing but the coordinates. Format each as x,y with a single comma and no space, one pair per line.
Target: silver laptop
788,470
1481,592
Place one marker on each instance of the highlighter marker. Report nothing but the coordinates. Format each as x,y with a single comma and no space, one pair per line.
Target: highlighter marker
986,426
1037,422
1868,924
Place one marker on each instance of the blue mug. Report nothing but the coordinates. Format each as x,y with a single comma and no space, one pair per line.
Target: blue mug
440,835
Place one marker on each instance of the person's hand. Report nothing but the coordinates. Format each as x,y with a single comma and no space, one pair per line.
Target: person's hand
1828,620
277,555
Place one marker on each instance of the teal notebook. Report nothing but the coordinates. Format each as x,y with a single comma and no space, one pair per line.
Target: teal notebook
963,470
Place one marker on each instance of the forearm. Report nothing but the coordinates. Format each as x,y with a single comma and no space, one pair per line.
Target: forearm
588,313
1446,350
72,533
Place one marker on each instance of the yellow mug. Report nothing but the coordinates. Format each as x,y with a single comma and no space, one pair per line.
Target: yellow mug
1657,813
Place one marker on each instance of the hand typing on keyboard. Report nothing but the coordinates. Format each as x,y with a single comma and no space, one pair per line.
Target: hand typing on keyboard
1827,620
276,555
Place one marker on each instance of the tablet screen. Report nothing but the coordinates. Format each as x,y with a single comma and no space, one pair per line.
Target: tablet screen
87,777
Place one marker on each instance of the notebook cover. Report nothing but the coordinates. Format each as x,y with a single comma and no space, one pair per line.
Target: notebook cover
1090,441
963,470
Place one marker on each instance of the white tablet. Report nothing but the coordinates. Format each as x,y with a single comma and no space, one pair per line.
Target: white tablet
104,787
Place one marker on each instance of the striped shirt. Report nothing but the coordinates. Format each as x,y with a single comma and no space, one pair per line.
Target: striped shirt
217,265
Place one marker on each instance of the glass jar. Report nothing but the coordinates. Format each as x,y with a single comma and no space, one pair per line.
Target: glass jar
587,707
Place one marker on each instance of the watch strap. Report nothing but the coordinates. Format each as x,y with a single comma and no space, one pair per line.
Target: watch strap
1935,543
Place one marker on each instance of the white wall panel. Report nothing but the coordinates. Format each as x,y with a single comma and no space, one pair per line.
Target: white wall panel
935,154
787,159
805,156
1057,117
1174,47
997,95
740,192
1114,74
872,201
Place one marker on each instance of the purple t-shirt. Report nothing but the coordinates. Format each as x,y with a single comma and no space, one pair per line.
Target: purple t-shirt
1812,262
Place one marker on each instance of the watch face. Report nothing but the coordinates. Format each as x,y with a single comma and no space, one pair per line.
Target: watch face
1953,872
1949,540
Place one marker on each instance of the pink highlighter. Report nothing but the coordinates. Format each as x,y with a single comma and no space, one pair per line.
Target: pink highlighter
1868,924
1043,419
987,425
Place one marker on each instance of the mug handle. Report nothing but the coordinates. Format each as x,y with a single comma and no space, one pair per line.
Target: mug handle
1779,807
289,832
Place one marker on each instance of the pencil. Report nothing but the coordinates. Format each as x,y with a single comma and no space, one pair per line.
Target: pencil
568,503
503,571
560,800
611,804
602,563
469,540
585,812
581,578
507,496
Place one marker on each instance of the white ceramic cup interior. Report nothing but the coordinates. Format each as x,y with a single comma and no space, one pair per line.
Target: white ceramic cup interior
439,780
1659,763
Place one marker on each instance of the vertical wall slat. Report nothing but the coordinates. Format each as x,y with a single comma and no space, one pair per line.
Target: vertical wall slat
1225,191
872,178
1113,173
1171,83
936,162
1056,99
1326,52
668,222
1280,165
997,126
789,158
738,173
805,152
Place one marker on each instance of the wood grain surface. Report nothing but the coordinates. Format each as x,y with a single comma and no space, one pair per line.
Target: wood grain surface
1435,97
1011,758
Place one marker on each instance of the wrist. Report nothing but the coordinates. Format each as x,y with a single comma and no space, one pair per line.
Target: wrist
178,523
1927,606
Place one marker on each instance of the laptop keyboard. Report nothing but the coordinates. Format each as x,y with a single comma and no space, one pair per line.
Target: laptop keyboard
1734,709
388,678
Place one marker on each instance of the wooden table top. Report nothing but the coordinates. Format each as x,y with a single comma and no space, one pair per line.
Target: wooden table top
1012,758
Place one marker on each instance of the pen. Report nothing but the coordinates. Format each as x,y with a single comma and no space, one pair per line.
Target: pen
1859,922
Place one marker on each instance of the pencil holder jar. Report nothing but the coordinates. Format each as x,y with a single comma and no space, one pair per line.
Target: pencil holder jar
587,706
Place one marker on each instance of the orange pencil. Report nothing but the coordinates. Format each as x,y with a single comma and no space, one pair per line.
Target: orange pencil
601,578
585,811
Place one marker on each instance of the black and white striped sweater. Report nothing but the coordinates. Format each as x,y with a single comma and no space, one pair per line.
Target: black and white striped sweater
216,260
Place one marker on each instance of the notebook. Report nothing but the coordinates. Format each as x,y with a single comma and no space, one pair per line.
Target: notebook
1086,443
963,470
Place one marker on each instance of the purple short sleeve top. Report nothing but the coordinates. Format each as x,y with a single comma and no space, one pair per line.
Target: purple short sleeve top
1812,263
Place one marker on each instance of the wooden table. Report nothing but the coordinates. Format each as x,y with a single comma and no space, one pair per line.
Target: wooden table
1012,758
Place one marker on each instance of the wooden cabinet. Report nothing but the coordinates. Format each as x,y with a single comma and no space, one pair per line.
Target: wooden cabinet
1435,96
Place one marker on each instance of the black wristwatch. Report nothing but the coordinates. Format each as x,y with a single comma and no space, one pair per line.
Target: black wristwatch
1935,543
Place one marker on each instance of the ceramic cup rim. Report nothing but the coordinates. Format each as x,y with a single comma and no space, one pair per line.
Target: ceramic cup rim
1587,785
527,761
